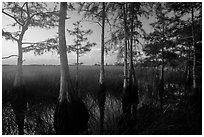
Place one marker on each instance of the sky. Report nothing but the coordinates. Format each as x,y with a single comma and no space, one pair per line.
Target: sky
52,58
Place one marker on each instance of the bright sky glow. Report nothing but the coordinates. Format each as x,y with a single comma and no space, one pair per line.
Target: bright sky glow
38,34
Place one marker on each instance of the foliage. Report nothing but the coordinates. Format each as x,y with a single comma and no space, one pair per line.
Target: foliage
117,30
39,48
161,43
176,39
30,14
184,32
80,45
35,14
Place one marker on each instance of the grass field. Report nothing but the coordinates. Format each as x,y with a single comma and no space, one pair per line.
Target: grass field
42,84
44,80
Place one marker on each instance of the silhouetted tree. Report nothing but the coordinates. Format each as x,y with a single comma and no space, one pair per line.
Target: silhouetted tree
25,15
161,43
191,14
98,13
80,46
71,115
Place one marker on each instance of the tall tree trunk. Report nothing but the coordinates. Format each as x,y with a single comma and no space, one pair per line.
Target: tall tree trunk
125,83
194,51
102,94
63,55
77,52
77,73
187,86
71,115
19,73
161,86
133,82
188,75
17,96
197,95
131,46
130,93
125,99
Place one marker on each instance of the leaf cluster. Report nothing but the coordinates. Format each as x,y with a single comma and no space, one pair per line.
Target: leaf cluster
81,44
49,45
172,32
32,14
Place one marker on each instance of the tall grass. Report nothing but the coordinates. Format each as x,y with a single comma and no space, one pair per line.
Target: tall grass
42,84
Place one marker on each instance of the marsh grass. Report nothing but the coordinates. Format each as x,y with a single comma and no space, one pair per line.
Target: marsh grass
42,86
40,117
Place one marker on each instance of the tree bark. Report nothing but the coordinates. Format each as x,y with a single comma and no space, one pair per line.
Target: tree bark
101,81
125,84
77,73
127,99
19,72
18,81
17,96
102,95
64,69
194,51
133,81
188,73
77,52
162,71
131,46
71,115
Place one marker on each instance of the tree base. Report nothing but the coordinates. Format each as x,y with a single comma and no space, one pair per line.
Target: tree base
18,100
101,104
70,117
129,99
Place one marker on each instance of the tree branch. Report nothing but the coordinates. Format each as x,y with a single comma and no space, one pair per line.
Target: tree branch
37,13
50,43
9,56
109,23
8,35
28,13
93,22
112,25
22,12
95,14
31,43
12,17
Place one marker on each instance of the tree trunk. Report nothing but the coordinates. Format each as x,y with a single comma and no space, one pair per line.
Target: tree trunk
17,95
131,46
188,82
71,115
125,51
19,73
126,106
197,95
161,86
133,82
77,73
63,55
102,94
194,51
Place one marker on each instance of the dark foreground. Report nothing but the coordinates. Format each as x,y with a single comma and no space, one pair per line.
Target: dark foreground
42,85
